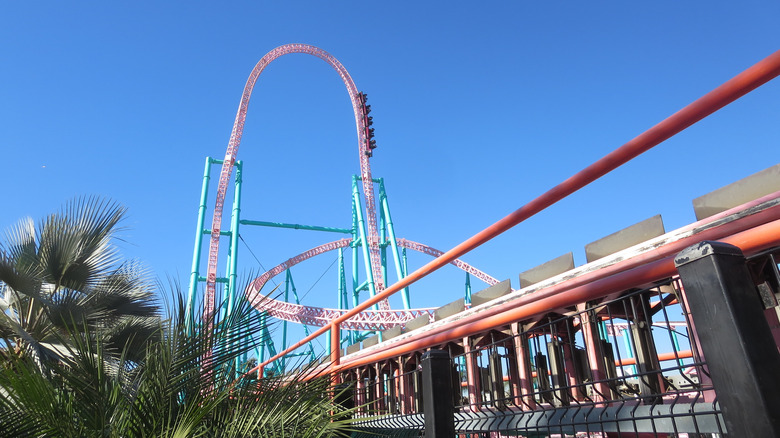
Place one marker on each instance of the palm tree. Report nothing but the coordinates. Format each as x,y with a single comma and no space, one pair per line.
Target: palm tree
172,393
64,276
87,356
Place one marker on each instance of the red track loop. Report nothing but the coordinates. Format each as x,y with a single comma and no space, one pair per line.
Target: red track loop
317,316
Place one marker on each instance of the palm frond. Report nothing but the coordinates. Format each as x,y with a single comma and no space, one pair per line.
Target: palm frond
21,243
18,277
31,402
126,290
182,385
74,245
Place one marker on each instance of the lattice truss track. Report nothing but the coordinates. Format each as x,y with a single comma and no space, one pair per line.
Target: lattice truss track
317,316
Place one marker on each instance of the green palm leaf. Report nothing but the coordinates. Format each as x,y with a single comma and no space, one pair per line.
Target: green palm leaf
87,355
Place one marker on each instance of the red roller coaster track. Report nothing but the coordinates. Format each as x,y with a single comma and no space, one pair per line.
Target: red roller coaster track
317,316
232,151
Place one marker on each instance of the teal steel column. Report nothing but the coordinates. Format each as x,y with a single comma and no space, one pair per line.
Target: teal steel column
468,289
404,265
339,290
296,226
355,285
354,245
287,283
342,287
189,310
383,255
603,330
385,206
364,240
261,347
231,294
269,344
383,245
234,224
629,348
343,300
305,327
676,343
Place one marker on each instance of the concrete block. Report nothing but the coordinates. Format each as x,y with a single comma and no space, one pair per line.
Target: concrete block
449,309
368,342
745,190
414,324
627,237
548,269
491,293
391,332
353,348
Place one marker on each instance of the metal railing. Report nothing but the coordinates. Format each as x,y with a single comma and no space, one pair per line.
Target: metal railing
643,375
629,365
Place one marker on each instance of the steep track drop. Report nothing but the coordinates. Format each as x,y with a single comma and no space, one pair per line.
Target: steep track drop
232,151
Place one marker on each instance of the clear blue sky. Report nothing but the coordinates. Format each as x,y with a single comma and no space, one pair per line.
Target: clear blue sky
478,109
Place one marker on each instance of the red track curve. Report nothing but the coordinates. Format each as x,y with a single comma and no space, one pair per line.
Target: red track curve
318,316
232,151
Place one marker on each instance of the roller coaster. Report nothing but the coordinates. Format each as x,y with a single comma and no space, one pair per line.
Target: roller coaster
373,233
610,348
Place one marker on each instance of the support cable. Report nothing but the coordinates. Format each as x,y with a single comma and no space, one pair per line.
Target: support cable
256,259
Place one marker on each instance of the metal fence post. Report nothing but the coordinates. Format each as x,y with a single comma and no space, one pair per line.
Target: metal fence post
439,408
735,337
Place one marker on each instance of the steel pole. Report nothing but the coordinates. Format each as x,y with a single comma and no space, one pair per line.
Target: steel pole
234,234
204,191
384,205
364,242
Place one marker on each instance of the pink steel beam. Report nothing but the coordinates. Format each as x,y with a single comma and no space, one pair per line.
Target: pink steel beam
745,82
425,249
232,151
317,316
